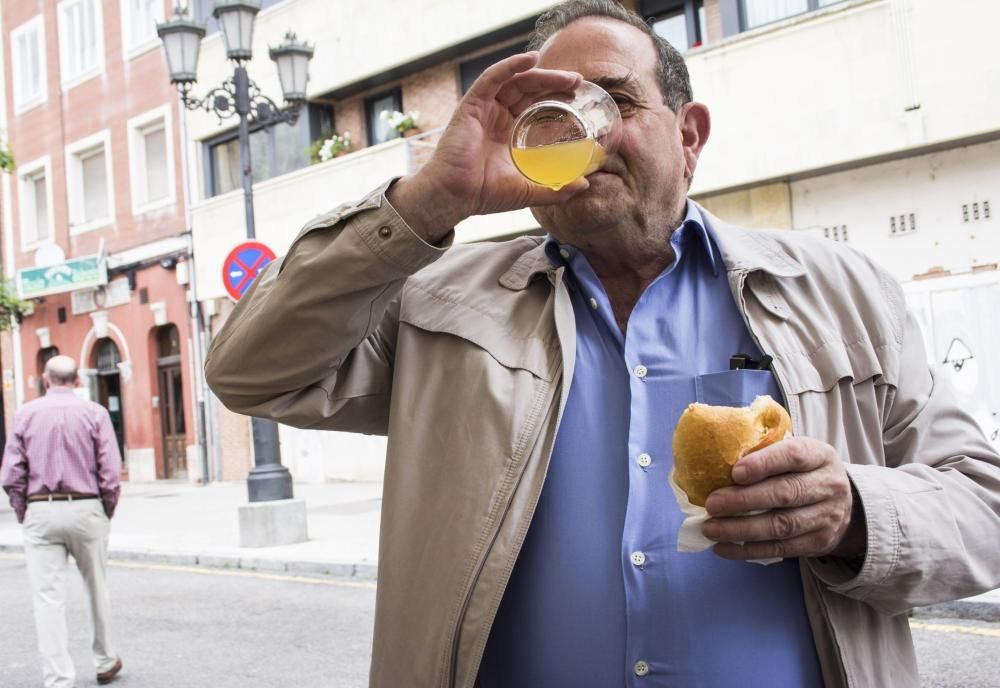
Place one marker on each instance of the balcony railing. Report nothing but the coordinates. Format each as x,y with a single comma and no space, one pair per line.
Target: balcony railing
282,205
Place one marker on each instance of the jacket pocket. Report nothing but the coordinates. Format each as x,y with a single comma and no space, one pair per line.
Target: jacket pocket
736,387
433,313
825,367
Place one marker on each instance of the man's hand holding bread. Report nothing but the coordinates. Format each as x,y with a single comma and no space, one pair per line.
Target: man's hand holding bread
799,486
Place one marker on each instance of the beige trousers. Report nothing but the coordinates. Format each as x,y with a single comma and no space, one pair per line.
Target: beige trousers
51,531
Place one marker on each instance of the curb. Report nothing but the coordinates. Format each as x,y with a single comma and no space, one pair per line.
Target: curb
970,609
360,571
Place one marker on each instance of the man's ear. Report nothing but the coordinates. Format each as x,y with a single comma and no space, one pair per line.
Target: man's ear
695,125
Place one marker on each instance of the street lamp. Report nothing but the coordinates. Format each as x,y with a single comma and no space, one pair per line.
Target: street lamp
268,479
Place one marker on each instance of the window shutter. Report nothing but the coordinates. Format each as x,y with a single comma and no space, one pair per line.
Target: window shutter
157,174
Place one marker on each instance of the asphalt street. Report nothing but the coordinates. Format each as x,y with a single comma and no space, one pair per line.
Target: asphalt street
193,627
178,627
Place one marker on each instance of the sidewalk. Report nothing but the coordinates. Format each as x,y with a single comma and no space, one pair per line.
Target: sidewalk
180,523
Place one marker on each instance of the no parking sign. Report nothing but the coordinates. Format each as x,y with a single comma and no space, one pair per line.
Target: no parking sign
241,266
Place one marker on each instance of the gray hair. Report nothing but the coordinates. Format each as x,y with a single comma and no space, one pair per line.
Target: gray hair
60,370
675,83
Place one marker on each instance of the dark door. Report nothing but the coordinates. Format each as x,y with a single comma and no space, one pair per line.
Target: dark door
171,390
109,388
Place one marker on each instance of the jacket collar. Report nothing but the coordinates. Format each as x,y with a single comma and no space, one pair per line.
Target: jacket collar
750,250
532,262
741,249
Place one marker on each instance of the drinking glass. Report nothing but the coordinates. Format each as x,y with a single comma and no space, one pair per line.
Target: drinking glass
565,136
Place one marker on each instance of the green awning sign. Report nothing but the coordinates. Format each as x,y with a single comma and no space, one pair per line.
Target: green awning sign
77,273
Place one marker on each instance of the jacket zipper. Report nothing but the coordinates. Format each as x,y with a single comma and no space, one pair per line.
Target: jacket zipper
453,670
542,395
778,376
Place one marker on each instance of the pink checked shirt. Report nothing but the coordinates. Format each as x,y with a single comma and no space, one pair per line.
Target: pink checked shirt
61,443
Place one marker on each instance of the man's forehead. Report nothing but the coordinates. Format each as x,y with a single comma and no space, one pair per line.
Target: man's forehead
605,51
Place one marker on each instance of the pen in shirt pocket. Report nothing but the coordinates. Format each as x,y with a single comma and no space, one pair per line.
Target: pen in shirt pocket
745,362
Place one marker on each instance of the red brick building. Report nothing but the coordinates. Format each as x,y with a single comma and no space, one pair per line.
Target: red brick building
94,225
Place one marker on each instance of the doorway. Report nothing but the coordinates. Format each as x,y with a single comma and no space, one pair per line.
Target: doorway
109,387
171,390
43,357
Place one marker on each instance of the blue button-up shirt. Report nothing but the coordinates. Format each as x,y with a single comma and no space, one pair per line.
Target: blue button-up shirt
600,597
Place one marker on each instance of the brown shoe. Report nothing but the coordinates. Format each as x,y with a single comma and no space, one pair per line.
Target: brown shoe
108,676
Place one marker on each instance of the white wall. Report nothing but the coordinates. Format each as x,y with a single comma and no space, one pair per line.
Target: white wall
355,39
933,187
283,205
831,87
805,94
960,316
316,456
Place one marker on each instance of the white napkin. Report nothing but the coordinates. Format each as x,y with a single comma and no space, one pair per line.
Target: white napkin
689,537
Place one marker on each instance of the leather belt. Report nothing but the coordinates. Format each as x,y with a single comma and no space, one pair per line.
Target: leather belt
59,497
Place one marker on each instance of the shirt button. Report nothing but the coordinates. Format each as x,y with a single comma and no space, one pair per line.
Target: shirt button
640,371
645,459
640,668
638,558
593,303
384,232
564,253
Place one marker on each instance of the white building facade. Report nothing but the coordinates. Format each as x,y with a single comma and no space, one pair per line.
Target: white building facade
870,122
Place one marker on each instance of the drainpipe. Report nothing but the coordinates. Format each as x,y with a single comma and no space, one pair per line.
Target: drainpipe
199,386
8,247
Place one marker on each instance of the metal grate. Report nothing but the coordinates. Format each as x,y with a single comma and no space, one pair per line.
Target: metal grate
108,357
836,233
976,211
902,224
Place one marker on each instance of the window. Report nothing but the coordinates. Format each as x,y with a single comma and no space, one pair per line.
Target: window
759,12
379,130
28,63
35,202
680,22
151,160
470,70
274,151
88,181
139,19
81,49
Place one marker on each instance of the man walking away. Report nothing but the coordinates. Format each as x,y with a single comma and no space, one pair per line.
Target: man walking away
61,470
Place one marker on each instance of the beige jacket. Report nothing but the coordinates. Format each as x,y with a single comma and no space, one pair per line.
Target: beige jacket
460,356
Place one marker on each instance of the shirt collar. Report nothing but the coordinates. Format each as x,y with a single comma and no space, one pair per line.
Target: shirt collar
59,390
736,248
691,231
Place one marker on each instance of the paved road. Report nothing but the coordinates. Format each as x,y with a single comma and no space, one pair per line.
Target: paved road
195,628
178,626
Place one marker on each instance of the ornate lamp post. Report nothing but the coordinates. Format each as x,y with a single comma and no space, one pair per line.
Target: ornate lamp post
241,97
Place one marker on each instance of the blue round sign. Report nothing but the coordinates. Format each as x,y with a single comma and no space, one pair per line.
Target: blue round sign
242,265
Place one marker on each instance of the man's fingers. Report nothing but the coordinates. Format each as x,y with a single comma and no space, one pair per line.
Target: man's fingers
778,524
793,455
779,492
809,545
531,84
496,75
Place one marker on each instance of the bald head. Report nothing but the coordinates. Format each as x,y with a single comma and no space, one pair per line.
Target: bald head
60,371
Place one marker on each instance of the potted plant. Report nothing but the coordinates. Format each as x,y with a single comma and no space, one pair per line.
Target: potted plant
333,146
7,161
406,123
11,306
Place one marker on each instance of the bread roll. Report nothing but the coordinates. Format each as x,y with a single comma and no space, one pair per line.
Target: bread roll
709,440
